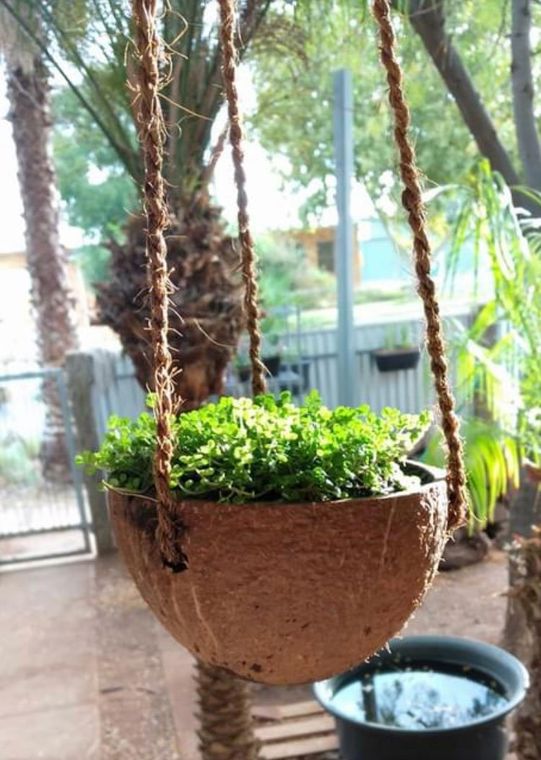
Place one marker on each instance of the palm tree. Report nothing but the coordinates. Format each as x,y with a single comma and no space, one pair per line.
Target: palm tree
28,95
206,305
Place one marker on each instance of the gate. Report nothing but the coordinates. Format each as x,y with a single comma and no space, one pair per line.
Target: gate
43,513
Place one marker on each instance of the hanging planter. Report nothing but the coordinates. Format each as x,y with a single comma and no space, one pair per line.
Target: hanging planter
300,578
396,359
290,583
288,593
272,365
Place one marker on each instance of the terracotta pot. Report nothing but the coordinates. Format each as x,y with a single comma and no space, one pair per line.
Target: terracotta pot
288,593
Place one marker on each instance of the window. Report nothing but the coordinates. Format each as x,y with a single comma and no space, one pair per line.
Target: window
325,256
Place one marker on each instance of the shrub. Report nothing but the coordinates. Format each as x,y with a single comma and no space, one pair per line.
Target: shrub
239,450
18,461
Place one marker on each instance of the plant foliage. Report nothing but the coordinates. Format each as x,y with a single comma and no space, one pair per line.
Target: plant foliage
511,244
239,450
492,466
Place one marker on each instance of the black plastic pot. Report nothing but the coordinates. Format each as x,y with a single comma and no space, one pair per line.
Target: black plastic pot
295,376
272,363
481,738
395,359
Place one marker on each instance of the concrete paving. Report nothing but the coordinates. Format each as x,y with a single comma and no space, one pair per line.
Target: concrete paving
86,673
82,669
48,677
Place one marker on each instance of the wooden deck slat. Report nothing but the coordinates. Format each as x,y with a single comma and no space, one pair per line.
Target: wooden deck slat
280,712
298,747
300,708
266,712
318,724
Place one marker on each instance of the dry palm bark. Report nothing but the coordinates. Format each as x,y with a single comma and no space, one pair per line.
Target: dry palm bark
206,312
226,726
526,595
206,317
53,304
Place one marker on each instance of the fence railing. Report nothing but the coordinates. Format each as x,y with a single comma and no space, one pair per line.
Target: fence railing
308,360
42,505
103,383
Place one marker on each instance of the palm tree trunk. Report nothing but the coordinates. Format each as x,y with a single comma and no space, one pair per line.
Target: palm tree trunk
526,593
226,726
28,93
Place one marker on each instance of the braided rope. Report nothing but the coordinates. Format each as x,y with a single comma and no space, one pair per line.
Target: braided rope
413,204
248,257
152,131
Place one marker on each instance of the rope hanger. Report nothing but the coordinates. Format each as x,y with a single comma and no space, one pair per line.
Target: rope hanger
152,131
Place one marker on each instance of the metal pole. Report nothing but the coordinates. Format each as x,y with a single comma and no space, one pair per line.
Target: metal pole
343,151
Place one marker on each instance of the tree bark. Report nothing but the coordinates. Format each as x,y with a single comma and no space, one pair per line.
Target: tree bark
522,84
526,594
53,305
427,18
226,726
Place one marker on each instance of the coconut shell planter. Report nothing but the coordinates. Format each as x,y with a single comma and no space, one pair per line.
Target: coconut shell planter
283,592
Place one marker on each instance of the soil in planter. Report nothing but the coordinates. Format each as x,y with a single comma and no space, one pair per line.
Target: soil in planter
419,696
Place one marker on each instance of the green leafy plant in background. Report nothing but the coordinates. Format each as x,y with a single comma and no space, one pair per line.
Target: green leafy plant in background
511,245
497,359
486,398
19,463
239,450
286,276
492,466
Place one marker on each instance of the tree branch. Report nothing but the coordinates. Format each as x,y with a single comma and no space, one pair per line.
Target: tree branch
427,17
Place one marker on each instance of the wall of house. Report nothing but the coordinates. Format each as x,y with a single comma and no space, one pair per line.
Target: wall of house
17,328
318,246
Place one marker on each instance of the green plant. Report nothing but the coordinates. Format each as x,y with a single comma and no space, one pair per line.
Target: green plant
530,426
288,279
19,461
492,466
509,246
400,339
239,450
486,395
497,359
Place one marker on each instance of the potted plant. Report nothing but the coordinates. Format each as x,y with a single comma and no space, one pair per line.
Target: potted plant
294,373
426,697
398,354
271,357
280,507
